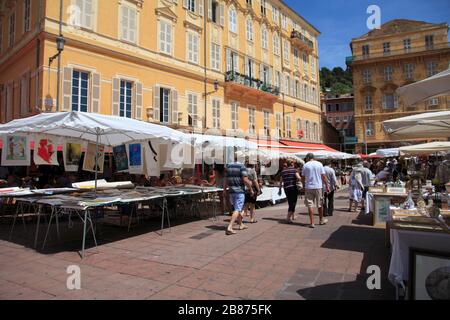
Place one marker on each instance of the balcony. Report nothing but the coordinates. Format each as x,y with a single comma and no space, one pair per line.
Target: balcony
301,41
236,82
400,52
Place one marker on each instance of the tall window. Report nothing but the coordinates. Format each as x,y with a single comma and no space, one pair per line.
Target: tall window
288,126
407,45
264,42
368,103
266,123
164,106
165,37
388,73
265,77
390,101
287,84
80,91
25,94
278,79
234,115
307,130
286,50
313,67
296,57
276,44
251,120
283,21
275,15
429,41
192,109
305,62
249,29
26,15
299,125
305,92
432,68
12,29
190,5
193,41
386,48
408,69
366,50
367,76
85,10
216,113
232,20
128,23
126,89
370,132
315,132
263,7
278,123
215,56
297,89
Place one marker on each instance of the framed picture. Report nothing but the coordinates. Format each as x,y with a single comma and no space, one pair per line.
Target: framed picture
429,275
72,151
45,150
16,150
381,210
135,158
89,158
120,158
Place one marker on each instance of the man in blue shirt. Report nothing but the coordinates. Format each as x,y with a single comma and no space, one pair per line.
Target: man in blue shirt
236,179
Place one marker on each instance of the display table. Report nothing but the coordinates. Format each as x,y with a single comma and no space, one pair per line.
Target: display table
406,235
271,194
380,203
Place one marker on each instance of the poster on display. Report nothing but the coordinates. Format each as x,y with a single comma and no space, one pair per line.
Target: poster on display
382,210
45,150
72,151
120,158
16,150
151,158
135,158
168,156
89,158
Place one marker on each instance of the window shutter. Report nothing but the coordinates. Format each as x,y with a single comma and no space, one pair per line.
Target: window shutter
236,62
270,76
395,101
138,111
174,106
67,89
185,4
156,103
229,61
96,83
247,69
210,9
261,72
115,96
200,8
222,14
24,94
384,101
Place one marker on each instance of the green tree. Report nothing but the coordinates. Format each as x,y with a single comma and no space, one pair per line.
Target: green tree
336,81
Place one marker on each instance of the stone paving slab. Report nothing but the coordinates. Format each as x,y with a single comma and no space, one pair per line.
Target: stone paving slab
196,260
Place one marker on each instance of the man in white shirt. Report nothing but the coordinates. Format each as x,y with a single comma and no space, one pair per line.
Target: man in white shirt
314,179
328,199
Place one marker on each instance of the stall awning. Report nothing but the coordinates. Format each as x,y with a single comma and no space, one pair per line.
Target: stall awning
301,146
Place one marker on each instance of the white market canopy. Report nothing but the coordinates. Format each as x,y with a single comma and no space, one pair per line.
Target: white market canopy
223,141
433,86
425,125
266,155
324,154
388,153
426,148
111,130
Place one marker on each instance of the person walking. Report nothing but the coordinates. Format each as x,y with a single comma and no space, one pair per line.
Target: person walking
356,187
366,178
314,179
236,179
288,181
250,200
328,203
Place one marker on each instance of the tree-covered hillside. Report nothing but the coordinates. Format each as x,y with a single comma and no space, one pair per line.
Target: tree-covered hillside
336,81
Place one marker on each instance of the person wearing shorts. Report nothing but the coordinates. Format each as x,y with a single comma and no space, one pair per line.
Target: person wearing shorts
236,179
314,179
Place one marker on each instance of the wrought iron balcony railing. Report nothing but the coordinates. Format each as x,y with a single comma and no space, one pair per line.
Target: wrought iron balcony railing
251,82
297,35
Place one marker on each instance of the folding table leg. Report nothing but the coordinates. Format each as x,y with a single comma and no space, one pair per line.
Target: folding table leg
37,226
163,212
93,229
84,233
14,221
57,223
48,229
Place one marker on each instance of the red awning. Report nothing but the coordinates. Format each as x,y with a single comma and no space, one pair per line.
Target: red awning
368,156
303,146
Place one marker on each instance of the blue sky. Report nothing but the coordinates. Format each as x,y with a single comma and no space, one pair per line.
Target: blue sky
341,20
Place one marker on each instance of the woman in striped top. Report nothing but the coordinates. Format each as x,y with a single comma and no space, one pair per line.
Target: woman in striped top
289,178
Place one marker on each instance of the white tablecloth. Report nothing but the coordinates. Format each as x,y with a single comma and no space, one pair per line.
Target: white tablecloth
271,194
403,240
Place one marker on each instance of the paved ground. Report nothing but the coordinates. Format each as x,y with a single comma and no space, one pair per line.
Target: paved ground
196,260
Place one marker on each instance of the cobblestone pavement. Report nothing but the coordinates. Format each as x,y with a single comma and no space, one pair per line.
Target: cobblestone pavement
196,260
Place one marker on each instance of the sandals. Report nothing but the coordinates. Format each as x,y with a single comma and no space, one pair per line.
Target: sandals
254,221
243,227
230,233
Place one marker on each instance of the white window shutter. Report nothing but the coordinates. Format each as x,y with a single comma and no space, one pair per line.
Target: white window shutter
115,96
139,102
247,69
222,14
200,8
270,76
229,62
67,89
236,62
261,72
210,9
185,4
96,85
174,106
156,103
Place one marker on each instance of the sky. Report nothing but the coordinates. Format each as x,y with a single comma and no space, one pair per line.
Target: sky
341,20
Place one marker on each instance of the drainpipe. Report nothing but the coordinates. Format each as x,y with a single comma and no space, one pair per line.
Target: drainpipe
59,57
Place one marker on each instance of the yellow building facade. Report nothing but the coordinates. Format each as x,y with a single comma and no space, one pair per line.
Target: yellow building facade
399,53
146,59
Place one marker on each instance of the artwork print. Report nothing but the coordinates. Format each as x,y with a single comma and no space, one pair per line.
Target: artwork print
151,158
16,151
45,151
72,155
89,158
135,158
120,158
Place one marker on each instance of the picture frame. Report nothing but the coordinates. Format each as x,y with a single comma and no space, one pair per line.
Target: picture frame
381,212
429,275
16,150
